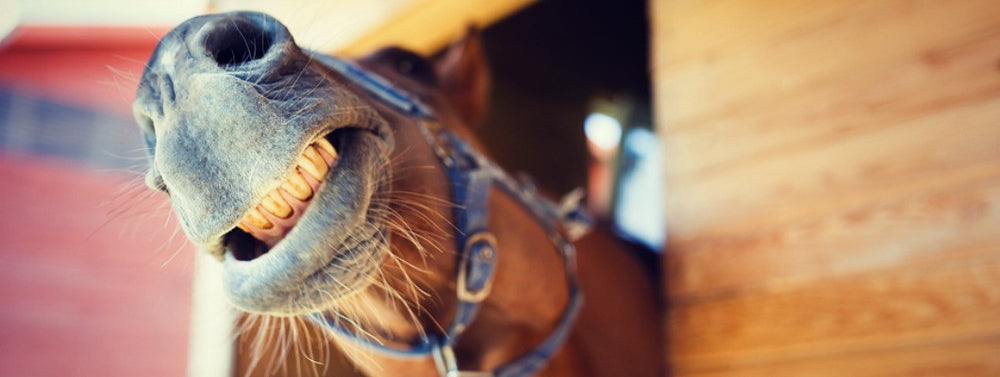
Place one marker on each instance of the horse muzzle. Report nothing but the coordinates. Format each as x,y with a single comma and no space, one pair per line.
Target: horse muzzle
269,162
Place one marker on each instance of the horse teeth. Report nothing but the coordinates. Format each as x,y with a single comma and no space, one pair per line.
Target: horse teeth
325,146
313,163
257,219
276,205
297,186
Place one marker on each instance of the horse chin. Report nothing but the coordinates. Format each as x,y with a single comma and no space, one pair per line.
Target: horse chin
334,249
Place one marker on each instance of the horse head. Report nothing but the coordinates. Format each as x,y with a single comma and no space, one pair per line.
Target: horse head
351,193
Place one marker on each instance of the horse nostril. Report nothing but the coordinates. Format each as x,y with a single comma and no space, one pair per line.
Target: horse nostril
237,40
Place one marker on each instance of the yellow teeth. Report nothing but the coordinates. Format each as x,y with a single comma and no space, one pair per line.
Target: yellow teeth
297,186
325,145
276,205
314,161
311,162
257,219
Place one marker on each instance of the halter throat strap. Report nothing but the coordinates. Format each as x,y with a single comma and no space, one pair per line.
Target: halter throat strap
472,177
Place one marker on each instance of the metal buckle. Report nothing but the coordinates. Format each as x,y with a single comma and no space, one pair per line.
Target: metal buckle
444,358
464,293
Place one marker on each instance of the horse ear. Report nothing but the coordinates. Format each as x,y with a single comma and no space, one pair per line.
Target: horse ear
465,77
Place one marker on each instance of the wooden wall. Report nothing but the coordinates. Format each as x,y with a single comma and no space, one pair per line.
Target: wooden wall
833,186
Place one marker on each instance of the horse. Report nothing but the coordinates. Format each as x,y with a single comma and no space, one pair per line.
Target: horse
352,209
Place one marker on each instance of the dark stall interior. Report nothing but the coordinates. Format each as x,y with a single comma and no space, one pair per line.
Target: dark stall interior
554,64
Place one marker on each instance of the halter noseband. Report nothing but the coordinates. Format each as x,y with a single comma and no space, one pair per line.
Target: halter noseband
471,176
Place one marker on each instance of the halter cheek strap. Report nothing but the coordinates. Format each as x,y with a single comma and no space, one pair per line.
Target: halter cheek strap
472,176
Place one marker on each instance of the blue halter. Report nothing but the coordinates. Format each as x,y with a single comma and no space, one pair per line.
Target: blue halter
472,176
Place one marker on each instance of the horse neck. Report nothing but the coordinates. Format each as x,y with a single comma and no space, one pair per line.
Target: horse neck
529,288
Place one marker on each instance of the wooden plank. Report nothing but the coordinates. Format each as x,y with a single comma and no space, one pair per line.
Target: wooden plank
427,26
351,27
836,107
211,348
853,40
91,283
701,31
975,357
914,230
848,172
889,308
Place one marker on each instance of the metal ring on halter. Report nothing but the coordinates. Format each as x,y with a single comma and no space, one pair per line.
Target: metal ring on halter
444,358
483,246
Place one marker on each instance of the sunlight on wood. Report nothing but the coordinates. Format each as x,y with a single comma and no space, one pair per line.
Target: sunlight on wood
429,25
833,186
356,27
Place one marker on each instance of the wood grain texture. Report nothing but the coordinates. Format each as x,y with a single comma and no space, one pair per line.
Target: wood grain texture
923,229
833,186
974,357
845,314
808,42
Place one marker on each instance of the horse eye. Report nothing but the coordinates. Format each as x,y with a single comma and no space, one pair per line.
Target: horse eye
410,64
404,66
